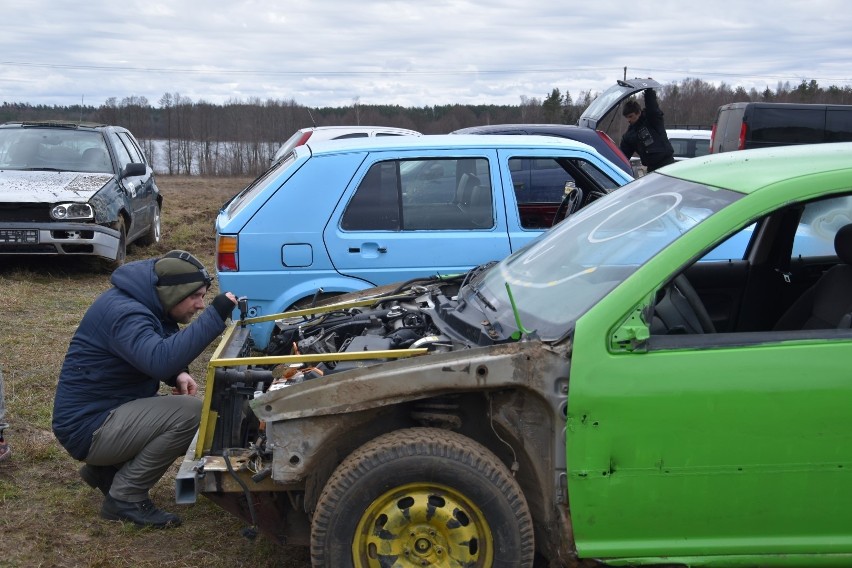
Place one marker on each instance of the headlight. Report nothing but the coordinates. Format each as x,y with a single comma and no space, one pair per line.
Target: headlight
69,211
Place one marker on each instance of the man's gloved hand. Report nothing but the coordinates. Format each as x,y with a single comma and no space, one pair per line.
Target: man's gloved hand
224,304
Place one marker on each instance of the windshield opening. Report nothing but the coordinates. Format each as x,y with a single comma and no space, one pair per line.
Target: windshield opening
54,149
558,277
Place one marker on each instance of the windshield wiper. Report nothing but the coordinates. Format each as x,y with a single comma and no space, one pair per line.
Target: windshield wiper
482,297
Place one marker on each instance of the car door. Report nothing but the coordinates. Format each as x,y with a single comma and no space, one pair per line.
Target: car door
138,188
419,215
715,444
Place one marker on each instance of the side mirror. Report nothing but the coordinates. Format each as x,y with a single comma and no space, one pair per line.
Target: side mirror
133,169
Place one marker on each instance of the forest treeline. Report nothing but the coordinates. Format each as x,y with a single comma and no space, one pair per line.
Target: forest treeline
239,137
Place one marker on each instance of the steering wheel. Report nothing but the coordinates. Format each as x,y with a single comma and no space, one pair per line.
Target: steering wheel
570,204
681,311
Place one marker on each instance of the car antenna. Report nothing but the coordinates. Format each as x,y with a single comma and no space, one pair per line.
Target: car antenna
312,117
521,329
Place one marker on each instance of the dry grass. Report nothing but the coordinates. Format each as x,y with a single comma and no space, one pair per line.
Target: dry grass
48,517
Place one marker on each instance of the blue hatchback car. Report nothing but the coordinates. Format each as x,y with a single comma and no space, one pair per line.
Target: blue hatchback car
339,217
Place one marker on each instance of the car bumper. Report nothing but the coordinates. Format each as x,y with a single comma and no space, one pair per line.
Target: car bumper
58,239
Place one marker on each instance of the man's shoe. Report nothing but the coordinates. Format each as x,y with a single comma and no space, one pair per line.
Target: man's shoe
141,514
99,476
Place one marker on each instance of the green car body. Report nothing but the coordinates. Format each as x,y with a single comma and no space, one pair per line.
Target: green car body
631,437
735,452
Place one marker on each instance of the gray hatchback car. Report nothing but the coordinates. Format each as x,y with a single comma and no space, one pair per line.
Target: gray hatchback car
71,188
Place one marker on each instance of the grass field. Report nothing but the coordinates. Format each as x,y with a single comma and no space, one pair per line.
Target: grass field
48,516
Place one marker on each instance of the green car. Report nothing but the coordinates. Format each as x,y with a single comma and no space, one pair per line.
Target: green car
611,393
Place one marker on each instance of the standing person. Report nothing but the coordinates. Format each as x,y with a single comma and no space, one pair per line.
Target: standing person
646,133
107,411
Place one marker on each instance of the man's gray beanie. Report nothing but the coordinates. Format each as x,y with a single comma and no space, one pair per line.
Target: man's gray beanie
179,274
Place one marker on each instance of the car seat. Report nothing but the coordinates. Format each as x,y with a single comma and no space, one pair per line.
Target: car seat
464,190
95,159
828,303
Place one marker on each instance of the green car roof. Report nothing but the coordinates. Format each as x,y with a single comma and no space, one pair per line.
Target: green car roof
747,171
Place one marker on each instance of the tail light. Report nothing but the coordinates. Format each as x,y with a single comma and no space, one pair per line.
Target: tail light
611,143
712,138
227,259
743,132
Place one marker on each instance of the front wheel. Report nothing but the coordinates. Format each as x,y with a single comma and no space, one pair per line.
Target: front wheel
422,497
152,235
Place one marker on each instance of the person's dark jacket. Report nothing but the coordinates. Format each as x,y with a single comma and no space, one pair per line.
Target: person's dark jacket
647,136
123,348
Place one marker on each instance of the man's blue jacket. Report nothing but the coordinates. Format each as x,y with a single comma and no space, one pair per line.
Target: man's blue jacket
123,348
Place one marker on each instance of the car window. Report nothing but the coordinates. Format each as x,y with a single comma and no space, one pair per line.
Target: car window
819,223
814,235
782,125
680,146
120,151
702,147
418,195
244,197
53,149
838,125
131,147
541,184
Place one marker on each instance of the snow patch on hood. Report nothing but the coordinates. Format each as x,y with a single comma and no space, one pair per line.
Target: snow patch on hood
49,187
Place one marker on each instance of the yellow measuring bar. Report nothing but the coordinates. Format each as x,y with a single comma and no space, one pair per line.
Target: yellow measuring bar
317,357
322,309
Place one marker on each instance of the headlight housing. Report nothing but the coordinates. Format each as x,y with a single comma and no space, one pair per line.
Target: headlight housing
72,211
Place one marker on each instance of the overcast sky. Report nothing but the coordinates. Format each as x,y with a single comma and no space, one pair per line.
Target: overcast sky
411,52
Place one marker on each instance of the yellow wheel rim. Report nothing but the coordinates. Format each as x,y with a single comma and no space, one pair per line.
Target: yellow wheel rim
423,525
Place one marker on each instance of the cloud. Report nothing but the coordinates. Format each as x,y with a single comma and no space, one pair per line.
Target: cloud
330,52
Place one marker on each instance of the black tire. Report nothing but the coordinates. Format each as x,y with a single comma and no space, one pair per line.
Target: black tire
422,494
153,235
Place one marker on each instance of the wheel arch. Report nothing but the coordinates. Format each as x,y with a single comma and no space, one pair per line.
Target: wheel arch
517,424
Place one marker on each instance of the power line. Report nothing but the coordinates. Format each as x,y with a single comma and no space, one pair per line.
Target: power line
447,72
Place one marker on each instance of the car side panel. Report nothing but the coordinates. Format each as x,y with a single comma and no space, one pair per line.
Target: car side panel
695,448
724,459
281,221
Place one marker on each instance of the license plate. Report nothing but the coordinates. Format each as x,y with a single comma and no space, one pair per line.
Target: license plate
19,236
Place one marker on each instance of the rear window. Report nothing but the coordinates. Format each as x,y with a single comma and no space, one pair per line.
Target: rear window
240,200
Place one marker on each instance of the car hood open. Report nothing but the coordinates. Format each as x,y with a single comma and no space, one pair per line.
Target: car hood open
49,187
611,98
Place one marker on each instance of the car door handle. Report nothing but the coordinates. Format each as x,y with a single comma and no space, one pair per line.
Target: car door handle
368,249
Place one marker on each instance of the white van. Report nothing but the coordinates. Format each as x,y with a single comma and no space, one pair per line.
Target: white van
689,143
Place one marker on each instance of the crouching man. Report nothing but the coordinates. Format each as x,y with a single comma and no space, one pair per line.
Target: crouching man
107,411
